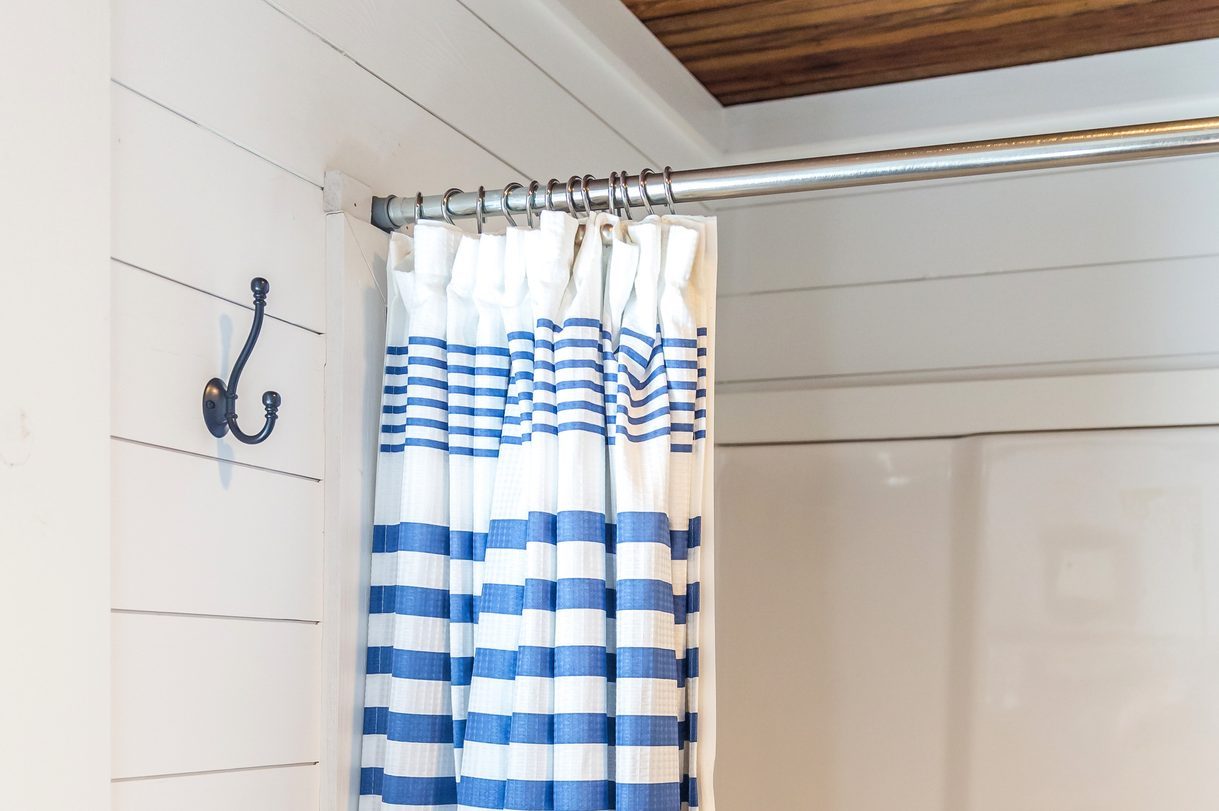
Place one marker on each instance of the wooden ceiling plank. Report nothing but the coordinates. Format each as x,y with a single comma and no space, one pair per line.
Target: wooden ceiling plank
876,33
851,69
752,50
727,25
651,10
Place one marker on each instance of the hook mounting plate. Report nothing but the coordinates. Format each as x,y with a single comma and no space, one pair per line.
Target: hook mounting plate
214,407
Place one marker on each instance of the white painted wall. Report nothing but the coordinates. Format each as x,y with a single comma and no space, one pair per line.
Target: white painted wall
54,468
1002,622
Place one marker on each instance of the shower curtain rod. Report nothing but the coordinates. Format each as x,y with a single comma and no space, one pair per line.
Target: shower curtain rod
1084,147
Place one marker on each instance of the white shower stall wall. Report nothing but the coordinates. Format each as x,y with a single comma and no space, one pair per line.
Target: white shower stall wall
998,622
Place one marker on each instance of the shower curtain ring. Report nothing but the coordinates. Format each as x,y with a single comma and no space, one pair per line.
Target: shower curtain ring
418,206
613,193
643,190
585,196
503,201
626,194
550,184
570,196
667,176
444,205
480,209
530,192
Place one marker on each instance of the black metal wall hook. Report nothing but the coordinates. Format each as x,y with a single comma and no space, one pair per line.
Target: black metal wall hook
220,401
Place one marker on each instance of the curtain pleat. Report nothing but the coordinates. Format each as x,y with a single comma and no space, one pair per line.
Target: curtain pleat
534,627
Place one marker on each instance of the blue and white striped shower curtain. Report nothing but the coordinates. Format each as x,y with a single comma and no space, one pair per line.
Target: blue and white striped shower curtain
539,624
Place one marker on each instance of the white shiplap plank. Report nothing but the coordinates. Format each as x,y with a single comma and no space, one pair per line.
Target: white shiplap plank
1143,310
466,74
287,788
191,206
169,340
203,536
245,70
960,407
195,694
1118,213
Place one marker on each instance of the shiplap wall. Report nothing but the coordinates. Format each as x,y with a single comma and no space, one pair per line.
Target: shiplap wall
226,117
1105,269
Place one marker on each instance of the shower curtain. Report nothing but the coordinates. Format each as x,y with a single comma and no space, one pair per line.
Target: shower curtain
541,548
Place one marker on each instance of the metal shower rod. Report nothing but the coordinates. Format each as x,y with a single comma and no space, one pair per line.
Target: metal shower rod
1109,145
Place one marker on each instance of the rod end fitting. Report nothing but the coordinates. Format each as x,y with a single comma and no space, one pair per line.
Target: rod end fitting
380,213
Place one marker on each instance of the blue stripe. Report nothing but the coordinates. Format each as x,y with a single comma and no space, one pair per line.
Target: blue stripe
414,601
411,537
408,790
417,340
645,595
415,442
639,336
408,727
564,660
411,664
541,728
476,392
582,426
427,381
580,525
646,730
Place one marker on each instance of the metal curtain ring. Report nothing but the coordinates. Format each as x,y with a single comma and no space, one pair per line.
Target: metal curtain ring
480,209
667,175
444,205
613,192
550,184
626,194
530,192
570,195
418,206
588,199
643,189
503,201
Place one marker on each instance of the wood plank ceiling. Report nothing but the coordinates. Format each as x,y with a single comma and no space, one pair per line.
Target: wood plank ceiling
771,49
